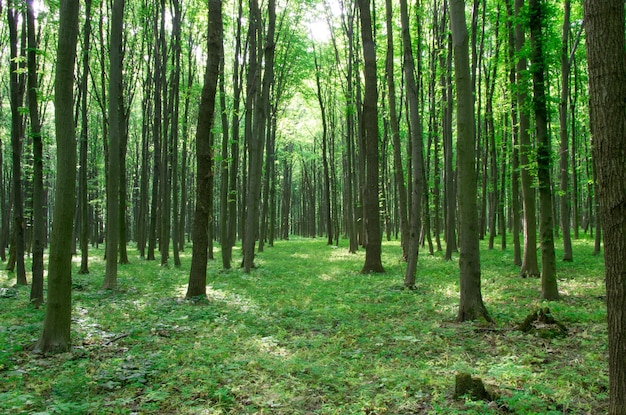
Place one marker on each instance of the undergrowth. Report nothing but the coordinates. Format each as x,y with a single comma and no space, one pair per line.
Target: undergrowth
306,333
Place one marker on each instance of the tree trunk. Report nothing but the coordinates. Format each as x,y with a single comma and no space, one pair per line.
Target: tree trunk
530,266
604,24
417,152
515,174
325,139
371,215
17,86
83,183
155,208
175,97
549,290
4,207
450,175
261,117
115,123
471,305
165,180
564,147
36,293
226,252
204,172
398,170
55,336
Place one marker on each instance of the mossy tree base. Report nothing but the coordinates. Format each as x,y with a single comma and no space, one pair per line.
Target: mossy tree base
542,323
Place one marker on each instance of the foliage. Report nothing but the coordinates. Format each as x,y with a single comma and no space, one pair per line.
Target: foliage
306,333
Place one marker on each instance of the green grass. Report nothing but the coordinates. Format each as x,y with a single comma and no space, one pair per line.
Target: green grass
305,333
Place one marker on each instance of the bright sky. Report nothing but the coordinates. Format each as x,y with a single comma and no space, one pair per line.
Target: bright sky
317,24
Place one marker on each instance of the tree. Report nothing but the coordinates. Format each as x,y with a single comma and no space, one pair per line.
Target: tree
604,24
471,305
17,86
255,133
83,191
398,170
115,132
417,153
204,167
549,289
565,207
530,266
515,174
55,336
371,214
36,293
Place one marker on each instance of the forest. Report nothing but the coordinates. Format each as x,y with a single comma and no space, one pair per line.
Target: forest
318,206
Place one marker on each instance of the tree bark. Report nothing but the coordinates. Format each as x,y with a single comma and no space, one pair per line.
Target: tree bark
530,266
115,112
565,208
55,336
371,215
471,305
83,191
604,24
36,293
398,170
17,85
515,174
549,290
204,170
417,151
261,118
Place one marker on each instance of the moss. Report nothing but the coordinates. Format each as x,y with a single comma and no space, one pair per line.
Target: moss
466,385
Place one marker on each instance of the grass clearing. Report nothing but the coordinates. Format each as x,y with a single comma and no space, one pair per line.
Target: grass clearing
306,333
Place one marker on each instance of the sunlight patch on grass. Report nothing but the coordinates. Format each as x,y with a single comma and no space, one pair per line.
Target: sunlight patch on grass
325,277
269,345
76,259
234,300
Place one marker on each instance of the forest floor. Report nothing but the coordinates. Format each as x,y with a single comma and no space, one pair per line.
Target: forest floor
306,333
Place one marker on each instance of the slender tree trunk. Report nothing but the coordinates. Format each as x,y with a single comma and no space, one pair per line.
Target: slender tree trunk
165,180
471,306
115,112
206,115
4,207
144,202
36,293
184,164
530,266
17,86
549,290
232,212
83,191
157,123
398,170
286,200
261,116
55,336
325,139
123,215
371,215
515,174
450,191
175,88
574,154
564,147
226,252
417,152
